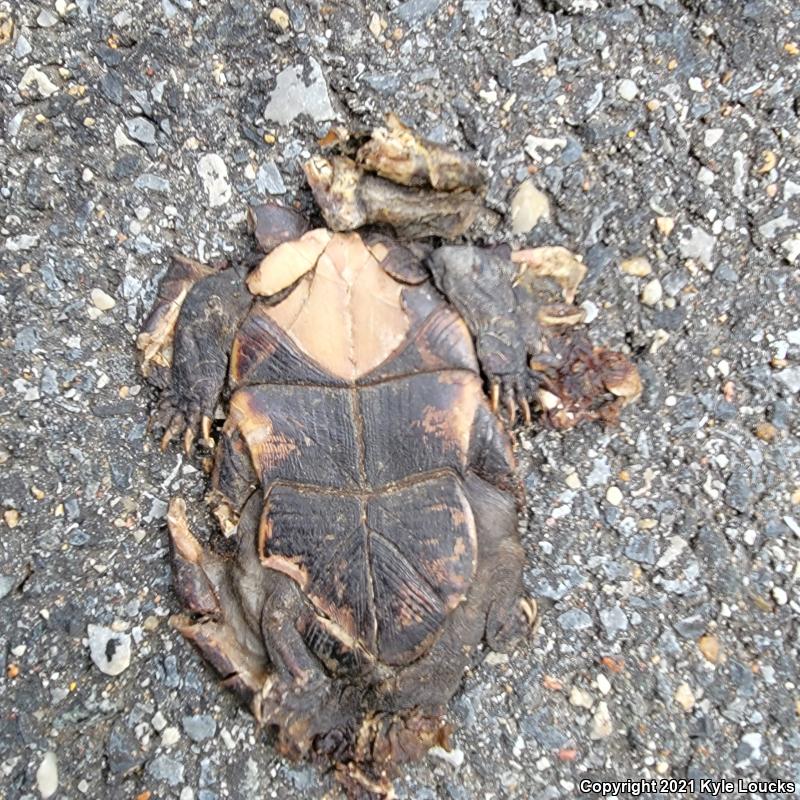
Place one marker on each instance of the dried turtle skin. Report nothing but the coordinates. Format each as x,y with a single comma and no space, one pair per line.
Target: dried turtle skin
364,474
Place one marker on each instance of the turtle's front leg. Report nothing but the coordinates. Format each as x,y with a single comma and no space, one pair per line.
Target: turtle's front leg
479,283
187,338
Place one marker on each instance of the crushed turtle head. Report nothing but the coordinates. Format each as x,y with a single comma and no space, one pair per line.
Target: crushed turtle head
396,178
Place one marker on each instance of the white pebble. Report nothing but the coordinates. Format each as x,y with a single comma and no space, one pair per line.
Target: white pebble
101,300
603,684
614,495
696,85
110,650
712,136
47,775
706,176
652,292
453,757
528,206
780,596
627,89
602,725
580,698
170,736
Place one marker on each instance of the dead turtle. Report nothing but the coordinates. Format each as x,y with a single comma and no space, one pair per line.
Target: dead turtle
362,470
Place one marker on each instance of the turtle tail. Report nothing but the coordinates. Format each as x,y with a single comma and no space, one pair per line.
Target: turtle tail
383,742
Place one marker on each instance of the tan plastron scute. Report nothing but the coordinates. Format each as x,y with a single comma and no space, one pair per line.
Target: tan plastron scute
287,263
348,286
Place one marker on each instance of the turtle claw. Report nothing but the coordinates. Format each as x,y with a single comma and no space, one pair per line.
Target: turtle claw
495,396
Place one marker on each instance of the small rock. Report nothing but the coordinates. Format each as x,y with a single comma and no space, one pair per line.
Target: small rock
35,78
638,266
709,647
642,549
164,768
413,11
151,182
7,583
627,89
375,27
613,620
453,757
684,697
614,495
269,180
170,736
280,18
537,54
698,245
214,174
780,596
575,620
141,130
123,752
602,726
665,225
199,727
528,206
158,721
749,749
603,684
110,650
771,228
790,378
293,97
21,243
712,136
47,775
580,698
652,292
46,18
102,300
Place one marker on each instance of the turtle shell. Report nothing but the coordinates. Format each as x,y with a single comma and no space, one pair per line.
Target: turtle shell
355,403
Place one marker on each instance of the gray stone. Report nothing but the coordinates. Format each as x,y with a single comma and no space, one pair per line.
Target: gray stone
46,18
790,378
141,130
122,750
698,245
200,727
214,174
575,620
26,340
613,620
691,627
293,97
269,180
642,549
749,749
739,492
771,228
153,183
413,11
22,48
477,9
537,54
7,584
166,769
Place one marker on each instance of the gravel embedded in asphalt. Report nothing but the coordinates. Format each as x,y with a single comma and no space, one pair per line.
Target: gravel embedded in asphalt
658,139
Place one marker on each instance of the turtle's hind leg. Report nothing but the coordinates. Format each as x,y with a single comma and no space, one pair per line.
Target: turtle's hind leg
215,623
